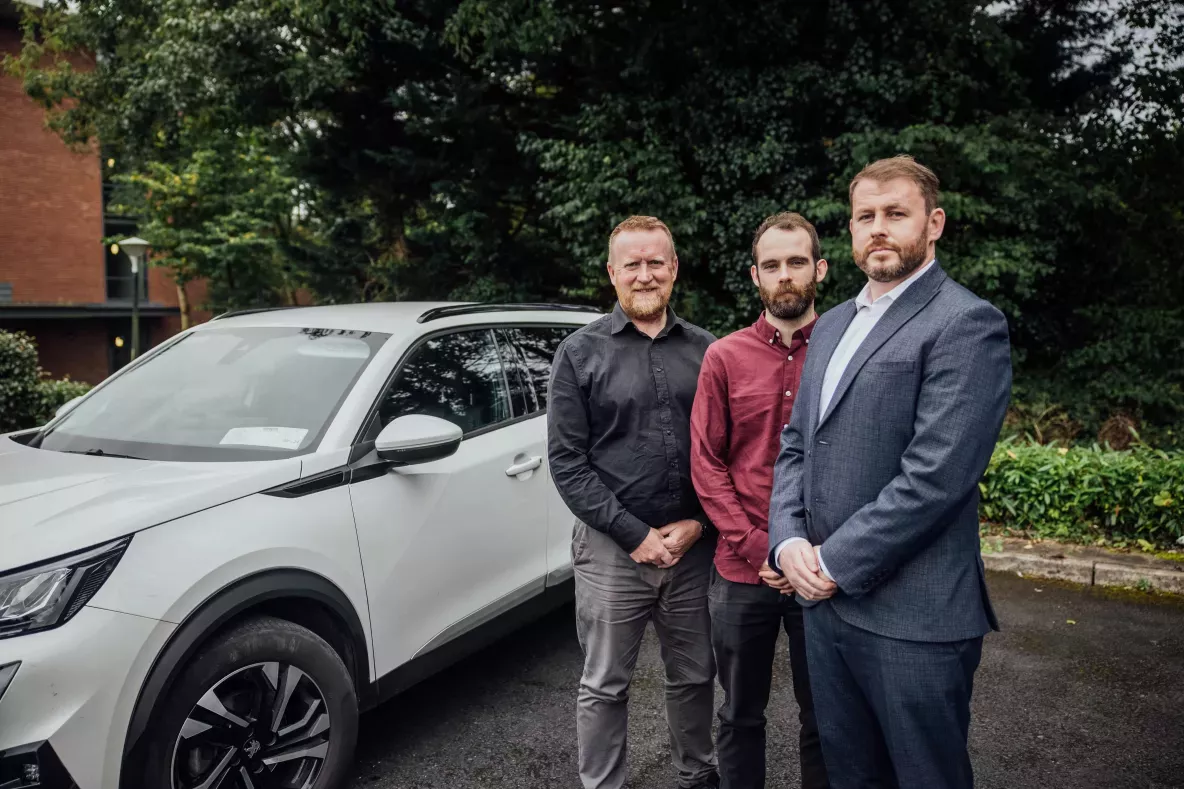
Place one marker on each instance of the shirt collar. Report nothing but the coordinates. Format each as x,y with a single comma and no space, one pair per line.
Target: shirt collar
864,299
769,333
620,320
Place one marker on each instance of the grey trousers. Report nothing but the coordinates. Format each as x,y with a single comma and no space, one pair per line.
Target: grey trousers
615,598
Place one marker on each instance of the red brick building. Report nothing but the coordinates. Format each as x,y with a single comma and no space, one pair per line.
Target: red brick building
58,281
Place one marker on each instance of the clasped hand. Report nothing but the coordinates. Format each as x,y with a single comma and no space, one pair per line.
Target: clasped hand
665,546
803,572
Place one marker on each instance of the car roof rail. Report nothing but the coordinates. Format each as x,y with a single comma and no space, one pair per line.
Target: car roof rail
452,310
252,311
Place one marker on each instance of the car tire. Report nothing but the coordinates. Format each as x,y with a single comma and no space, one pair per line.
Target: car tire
265,703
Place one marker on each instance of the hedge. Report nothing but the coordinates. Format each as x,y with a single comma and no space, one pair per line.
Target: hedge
1086,494
27,397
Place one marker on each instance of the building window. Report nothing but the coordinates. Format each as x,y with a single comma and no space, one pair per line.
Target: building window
119,342
119,277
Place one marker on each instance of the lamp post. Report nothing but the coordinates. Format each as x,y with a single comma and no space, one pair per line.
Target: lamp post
135,248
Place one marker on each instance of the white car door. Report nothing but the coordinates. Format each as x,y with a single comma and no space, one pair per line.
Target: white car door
449,544
535,348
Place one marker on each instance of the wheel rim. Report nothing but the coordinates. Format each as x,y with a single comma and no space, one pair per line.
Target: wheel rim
265,726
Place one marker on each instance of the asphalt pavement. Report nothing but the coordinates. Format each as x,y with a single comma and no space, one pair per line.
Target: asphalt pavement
1083,688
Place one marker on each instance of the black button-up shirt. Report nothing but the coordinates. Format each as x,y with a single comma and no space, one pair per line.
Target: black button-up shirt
618,425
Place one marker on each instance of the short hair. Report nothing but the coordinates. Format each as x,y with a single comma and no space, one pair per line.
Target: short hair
902,166
788,220
640,223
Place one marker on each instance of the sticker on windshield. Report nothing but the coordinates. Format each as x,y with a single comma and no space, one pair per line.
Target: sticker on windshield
272,437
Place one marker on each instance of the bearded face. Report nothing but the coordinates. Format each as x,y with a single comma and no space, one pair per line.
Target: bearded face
787,300
643,271
884,260
786,271
893,229
645,301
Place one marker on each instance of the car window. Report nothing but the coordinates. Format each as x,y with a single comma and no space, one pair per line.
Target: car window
457,377
535,348
222,393
522,396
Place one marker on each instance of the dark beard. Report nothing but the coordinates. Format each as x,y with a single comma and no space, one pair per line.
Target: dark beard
789,303
911,258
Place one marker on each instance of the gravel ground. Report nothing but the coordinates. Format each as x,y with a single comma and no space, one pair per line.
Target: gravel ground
1098,703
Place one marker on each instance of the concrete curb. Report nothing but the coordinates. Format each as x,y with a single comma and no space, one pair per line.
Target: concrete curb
1164,580
1091,567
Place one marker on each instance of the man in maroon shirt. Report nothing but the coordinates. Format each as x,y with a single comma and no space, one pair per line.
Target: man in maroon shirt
747,386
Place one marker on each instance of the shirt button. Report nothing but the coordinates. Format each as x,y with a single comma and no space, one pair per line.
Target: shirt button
791,357
789,394
785,425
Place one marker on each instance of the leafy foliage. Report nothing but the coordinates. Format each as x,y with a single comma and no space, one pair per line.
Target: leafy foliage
1086,494
27,397
403,149
225,214
19,373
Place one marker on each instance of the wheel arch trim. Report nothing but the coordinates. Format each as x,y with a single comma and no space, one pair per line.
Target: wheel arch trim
219,609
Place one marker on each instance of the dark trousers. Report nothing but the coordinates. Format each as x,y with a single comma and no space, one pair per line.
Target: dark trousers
891,713
746,620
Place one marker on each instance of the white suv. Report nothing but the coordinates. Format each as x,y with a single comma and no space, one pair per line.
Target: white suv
211,562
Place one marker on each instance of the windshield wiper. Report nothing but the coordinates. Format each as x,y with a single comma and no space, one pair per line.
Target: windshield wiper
100,453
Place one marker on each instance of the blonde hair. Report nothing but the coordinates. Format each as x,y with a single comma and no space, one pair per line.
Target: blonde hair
902,166
640,223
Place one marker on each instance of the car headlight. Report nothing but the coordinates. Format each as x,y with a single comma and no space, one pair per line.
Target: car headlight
43,597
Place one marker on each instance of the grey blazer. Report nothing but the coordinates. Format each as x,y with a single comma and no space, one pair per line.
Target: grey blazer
887,480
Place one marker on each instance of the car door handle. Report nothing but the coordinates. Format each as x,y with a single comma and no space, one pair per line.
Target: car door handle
525,466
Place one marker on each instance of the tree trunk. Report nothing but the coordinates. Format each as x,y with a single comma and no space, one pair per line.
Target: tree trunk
183,301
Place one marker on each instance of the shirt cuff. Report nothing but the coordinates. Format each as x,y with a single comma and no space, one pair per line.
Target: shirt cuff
753,552
780,547
704,521
822,566
628,531
777,558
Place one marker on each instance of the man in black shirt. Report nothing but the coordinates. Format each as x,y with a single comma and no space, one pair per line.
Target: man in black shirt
619,443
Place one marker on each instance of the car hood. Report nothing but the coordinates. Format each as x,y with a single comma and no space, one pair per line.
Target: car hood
53,503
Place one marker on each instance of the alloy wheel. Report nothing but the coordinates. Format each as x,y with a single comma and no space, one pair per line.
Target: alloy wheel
265,726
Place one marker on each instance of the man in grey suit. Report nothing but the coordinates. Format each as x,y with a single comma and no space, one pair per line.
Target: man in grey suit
874,511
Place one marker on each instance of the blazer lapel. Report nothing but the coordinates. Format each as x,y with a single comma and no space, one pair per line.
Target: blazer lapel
898,314
825,347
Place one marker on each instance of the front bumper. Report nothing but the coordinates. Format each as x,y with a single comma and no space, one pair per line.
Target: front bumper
33,766
71,698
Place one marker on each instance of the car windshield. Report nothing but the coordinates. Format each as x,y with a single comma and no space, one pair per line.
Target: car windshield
221,394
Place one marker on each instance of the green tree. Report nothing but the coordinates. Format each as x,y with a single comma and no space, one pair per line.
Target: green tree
1053,125
227,213
484,150
410,153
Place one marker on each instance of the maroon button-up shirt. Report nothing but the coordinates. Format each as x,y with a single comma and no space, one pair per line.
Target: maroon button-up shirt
747,387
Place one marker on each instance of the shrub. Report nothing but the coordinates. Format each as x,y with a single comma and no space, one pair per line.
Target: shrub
52,395
19,376
27,397
1041,422
1086,494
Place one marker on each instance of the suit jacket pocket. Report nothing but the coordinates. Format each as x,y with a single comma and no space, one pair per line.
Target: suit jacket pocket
889,367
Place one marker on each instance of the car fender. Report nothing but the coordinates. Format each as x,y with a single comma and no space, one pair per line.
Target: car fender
215,613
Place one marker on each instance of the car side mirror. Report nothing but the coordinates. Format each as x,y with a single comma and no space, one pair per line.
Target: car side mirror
417,438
